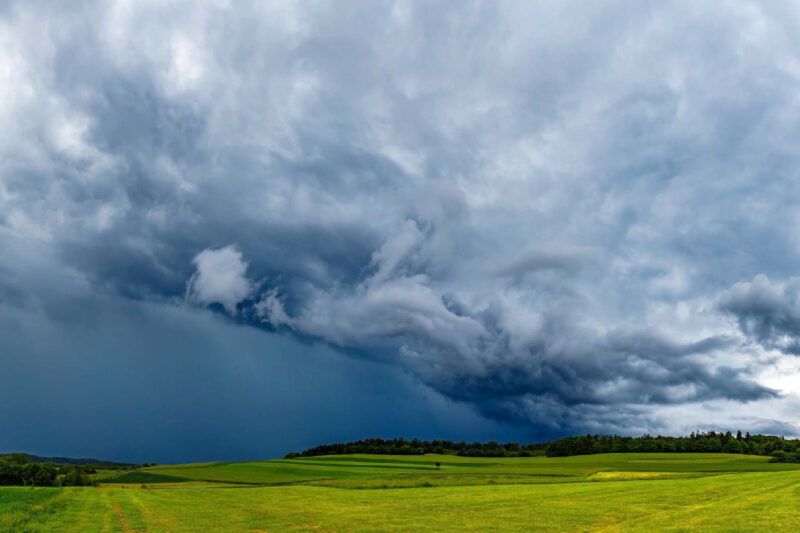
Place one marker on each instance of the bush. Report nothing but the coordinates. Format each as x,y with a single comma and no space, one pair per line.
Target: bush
75,478
780,456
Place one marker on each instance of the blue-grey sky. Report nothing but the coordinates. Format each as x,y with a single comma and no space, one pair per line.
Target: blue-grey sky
235,229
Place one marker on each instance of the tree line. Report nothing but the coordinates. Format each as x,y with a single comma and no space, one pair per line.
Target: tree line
401,446
781,449
17,469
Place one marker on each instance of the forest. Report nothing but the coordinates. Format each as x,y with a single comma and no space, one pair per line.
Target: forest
401,446
781,449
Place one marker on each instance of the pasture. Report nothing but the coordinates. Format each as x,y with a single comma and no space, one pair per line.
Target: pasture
615,492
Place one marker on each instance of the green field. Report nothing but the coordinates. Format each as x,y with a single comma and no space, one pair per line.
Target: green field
617,492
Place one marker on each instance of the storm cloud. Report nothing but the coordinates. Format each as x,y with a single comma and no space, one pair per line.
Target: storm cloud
768,313
547,213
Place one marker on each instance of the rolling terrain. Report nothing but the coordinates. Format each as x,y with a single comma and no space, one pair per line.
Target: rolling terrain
613,492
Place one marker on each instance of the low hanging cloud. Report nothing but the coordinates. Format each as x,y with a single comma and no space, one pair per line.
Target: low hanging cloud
509,370
220,279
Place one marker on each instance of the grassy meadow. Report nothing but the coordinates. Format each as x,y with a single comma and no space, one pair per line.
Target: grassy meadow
614,492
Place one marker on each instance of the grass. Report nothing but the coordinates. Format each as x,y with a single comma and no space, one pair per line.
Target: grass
141,476
103,473
357,467
620,492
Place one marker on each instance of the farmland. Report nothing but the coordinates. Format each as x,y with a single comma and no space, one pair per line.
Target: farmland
613,492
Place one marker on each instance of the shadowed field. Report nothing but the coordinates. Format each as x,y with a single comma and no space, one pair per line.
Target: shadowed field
622,492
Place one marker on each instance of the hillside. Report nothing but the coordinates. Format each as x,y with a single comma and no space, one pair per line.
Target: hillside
371,471
603,492
68,460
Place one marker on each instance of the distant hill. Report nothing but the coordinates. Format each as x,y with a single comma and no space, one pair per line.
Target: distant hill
70,460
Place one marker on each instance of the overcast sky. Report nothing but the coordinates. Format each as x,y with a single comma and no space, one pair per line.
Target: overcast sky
232,230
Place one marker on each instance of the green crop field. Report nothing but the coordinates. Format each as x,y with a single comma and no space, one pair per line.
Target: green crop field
616,492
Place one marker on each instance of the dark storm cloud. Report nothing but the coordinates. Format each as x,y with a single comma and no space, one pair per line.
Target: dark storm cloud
768,313
480,355
528,207
87,373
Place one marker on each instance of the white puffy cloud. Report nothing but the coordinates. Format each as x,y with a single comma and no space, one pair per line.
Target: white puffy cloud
220,278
